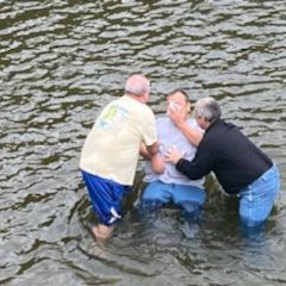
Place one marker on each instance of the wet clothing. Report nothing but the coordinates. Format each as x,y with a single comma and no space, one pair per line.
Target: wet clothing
257,199
172,185
189,198
106,197
111,149
234,159
170,136
240,167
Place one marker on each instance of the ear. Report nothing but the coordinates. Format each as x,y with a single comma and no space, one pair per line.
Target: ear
189,107
146,97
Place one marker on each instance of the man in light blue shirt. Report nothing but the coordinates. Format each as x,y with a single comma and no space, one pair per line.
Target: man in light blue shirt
166,184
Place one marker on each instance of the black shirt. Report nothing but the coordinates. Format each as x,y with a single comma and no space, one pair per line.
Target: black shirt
234,159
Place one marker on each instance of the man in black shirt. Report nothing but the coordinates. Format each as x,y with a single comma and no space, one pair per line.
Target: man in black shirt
240,166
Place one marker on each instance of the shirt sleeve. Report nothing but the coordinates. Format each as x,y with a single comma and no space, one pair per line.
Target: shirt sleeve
149,130
200,166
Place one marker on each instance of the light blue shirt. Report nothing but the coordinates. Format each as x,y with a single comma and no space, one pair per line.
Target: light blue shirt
170,136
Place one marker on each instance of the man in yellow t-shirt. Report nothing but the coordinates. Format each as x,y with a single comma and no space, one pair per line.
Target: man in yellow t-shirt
110,154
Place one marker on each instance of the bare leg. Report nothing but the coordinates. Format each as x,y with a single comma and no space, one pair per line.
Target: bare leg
101,233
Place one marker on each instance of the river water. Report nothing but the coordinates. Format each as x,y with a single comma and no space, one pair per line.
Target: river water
61,61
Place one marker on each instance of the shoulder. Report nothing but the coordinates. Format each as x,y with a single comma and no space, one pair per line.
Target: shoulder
110,103
138,108
163,121
111,106
147,112
222,127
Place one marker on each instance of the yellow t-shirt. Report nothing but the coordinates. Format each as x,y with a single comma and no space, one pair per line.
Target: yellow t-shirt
111,149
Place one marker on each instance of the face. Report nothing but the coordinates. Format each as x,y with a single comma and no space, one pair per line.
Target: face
201,122
178,102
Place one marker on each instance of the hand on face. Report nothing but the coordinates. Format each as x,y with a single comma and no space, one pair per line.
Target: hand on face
178,108
176,115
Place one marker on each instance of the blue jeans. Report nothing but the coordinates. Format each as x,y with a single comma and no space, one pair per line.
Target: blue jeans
189,198
257,199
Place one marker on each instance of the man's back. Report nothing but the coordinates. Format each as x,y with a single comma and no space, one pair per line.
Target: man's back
111,148
236,161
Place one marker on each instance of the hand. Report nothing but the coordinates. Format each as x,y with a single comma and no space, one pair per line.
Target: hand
177,116
173,156
158,164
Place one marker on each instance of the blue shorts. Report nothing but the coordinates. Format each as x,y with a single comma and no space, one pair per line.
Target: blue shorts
257,200
184,196
106,197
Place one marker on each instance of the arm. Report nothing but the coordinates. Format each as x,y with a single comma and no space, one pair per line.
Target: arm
193,135
200,166
147,152
153,149
151,153
149,149
144,152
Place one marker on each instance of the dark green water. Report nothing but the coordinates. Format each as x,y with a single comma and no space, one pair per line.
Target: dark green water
60,62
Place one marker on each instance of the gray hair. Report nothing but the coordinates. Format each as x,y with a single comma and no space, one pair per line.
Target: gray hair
208,108
137,84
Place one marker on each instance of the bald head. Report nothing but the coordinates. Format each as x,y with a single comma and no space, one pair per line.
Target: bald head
137,85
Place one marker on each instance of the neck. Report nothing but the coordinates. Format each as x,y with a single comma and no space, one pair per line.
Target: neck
209,123
139,98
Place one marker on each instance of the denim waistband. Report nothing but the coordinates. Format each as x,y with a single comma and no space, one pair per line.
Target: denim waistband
270,173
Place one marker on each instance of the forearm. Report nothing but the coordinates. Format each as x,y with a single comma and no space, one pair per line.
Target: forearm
153,149
144,152
147,152
194,136
189,170
157,161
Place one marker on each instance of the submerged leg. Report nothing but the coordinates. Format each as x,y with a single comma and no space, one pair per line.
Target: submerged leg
191,210
257,200
101,233
154,197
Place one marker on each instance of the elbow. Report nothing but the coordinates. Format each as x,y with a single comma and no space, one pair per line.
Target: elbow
192,175
198,140
195,176
153,149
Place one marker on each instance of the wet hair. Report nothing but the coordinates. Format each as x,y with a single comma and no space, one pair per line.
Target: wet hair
137,84
208,108
179,90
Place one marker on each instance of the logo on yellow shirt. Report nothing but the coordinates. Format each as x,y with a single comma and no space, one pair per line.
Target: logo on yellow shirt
113,116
